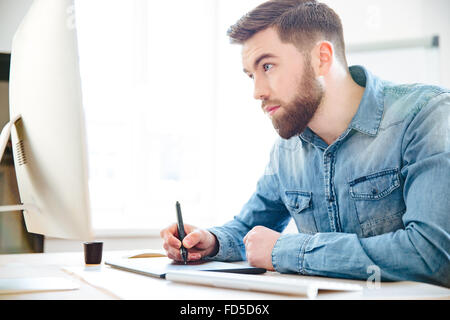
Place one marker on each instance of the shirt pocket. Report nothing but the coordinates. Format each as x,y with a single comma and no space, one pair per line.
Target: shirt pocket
300,206
379,202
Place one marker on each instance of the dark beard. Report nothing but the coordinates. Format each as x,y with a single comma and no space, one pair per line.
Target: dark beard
296,115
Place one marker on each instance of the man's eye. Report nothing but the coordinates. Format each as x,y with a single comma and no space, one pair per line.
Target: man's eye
267,66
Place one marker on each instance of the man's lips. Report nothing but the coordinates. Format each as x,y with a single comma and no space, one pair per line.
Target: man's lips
271,109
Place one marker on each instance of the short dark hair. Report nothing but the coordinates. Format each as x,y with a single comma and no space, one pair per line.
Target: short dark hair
300,22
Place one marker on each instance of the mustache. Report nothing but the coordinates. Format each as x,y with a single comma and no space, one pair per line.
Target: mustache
271,103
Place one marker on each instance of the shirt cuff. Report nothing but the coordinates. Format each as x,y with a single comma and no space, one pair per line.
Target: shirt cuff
227,247
288,252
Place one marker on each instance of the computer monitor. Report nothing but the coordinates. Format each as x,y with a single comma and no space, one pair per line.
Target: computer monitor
47,123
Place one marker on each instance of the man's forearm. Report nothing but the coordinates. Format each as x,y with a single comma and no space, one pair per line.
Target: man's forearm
230,246
344,255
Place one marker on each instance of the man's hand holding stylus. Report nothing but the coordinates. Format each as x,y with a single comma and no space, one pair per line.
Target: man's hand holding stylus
259,243
199,242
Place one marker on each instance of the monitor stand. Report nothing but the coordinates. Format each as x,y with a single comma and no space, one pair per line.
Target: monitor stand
4,137
26,284
6,133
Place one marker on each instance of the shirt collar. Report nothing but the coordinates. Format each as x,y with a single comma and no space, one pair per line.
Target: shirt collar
370,111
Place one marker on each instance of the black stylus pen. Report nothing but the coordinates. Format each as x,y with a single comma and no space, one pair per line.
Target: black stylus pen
181,233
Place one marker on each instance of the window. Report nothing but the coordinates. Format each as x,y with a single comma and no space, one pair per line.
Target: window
169,113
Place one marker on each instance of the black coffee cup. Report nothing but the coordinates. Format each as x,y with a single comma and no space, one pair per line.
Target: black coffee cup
93,252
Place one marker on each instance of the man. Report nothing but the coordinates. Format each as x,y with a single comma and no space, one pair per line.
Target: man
362,165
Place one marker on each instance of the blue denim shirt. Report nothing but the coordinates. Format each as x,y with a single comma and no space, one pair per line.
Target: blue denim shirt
378,196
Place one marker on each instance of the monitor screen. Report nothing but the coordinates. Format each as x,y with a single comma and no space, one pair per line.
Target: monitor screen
49,136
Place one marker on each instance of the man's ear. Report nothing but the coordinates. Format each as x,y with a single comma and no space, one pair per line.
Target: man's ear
323,57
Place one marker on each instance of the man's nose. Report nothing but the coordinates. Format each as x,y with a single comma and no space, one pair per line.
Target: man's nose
261,89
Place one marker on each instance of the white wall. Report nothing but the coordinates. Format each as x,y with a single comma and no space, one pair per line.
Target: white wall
436,21
367,21
11,14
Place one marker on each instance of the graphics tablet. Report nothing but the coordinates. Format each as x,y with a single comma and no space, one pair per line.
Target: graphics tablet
158,267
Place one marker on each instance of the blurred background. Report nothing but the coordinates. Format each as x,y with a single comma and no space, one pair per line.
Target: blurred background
170,114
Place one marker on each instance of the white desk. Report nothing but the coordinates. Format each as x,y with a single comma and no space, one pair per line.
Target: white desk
105,282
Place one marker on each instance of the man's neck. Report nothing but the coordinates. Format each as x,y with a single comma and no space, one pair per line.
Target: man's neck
339,105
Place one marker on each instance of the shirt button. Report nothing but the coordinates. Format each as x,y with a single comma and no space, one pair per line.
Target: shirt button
374,191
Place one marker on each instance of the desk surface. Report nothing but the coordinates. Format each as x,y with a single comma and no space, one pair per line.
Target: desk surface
104,282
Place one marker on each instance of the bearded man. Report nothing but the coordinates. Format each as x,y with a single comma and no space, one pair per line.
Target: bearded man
362,165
